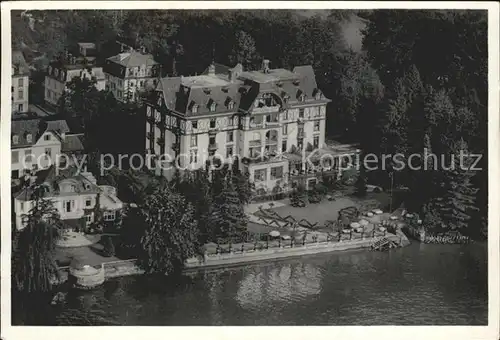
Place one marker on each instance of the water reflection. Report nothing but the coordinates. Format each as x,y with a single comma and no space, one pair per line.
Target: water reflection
420,284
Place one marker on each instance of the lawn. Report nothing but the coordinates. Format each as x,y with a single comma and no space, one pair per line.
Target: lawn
329,210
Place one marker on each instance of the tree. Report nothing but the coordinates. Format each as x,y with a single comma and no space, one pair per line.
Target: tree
33,264
243,186
453,205
81,102
109,247
170,236
227,218
244,50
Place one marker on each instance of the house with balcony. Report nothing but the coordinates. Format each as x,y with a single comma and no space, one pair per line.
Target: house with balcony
130,73
37,143
20,83
81,63
267,120
74,194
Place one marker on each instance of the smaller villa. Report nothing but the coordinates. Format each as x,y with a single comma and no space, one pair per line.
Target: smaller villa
74,194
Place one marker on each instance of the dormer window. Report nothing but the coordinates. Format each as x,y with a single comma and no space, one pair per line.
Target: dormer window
296,82
300,95
50,69
29,138
15,139
229,103
212,105
159,100
194,108
56,72
318,95
225,89
279,84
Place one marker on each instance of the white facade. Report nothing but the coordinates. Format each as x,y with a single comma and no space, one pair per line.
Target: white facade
72,204
20,93
42,154
57,79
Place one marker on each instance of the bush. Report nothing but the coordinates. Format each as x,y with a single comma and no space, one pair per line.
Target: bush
109,247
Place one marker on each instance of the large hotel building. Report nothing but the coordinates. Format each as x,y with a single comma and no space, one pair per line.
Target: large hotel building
269,121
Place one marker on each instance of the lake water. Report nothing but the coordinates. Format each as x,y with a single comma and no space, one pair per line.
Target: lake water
419,284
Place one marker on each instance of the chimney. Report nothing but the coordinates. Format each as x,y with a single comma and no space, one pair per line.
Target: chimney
235,72
265,66
211,69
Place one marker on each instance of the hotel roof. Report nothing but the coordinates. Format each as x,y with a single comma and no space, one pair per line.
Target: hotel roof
133,59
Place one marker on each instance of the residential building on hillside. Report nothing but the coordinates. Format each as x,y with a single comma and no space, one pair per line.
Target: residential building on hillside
75,195
36,144
20,83
130,73
268,121
62,71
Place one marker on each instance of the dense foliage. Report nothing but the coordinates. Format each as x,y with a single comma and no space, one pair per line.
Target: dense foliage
419,84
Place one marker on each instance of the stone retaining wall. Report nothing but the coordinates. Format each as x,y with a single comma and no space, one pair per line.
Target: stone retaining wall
128,267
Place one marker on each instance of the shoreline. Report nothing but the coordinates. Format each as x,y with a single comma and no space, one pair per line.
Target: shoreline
128,267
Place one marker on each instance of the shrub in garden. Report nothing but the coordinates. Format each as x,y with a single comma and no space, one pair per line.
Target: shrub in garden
109,247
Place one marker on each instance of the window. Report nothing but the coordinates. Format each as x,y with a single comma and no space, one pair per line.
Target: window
300,143
285,130
229,151
260,175
230,137
277,172
88,202
119,94
48,151
28,156
88,218
20,94
20,82
21,206
15,139
300,131
316,125
20,108
212,123
29,138
193,156
230,106
69,206
109,216
46,137
194,109
15,174
316,142
283,146
211,140
15,156
195,124
141,83
194,140
301,113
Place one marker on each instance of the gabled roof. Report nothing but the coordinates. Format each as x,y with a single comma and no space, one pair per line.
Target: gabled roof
36,128
72,143
25,127
19,65
51,178
133,59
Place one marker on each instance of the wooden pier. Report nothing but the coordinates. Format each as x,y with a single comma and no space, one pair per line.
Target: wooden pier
384,244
